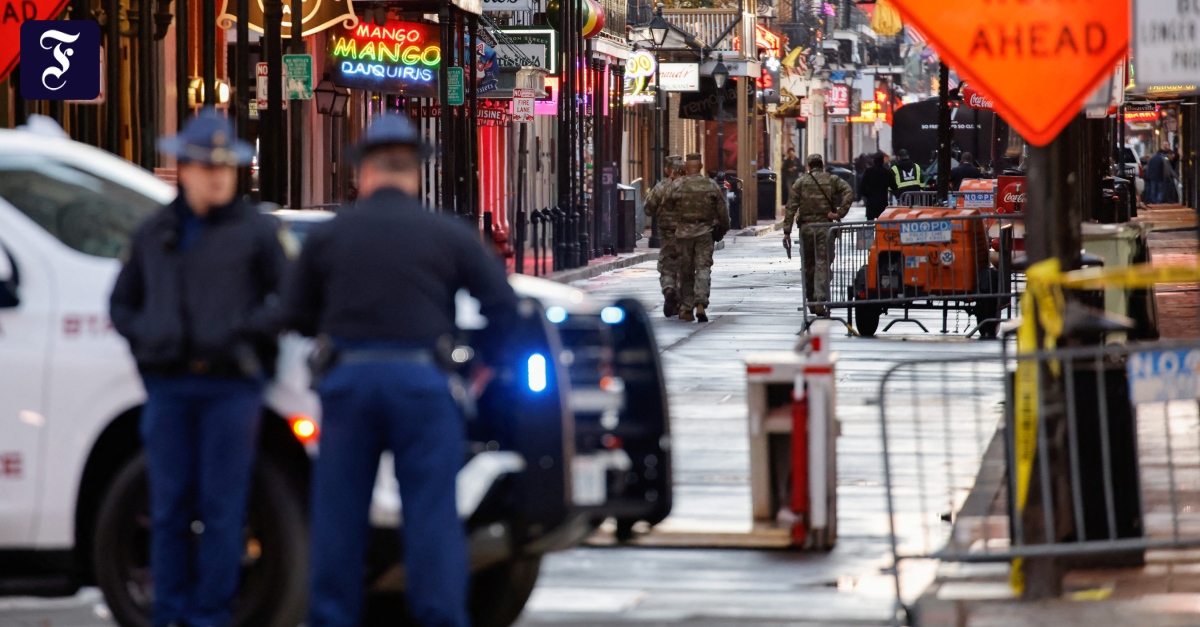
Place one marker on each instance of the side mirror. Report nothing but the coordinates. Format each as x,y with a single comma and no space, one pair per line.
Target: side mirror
9,280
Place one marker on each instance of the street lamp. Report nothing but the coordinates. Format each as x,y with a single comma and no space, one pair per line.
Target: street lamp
331,100
659,28
720,74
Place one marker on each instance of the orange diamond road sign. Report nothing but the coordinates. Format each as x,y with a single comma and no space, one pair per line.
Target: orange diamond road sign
1038,59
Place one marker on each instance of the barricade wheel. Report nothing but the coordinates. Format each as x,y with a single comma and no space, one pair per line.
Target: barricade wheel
867,319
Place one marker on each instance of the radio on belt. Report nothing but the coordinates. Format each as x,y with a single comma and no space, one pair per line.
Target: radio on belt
793,440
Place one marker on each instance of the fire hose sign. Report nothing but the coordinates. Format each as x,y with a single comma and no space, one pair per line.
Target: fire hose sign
925,232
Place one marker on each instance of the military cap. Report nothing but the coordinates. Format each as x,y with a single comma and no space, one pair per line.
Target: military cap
393,129
207,138
674,161
694,156
815,158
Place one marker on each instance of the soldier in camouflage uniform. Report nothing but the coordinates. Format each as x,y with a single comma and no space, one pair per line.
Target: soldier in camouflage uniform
699,205
816,197
668,254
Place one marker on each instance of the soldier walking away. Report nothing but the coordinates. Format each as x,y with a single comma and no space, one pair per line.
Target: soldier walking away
377,284
698,203
817,197
907,173
198,303
668,250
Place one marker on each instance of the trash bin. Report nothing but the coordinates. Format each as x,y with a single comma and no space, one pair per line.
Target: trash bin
733,195
626,218
768,182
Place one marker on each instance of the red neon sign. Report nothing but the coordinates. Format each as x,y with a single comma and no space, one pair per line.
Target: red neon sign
763,39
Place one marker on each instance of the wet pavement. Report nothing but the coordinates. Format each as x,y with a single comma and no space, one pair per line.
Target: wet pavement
756,292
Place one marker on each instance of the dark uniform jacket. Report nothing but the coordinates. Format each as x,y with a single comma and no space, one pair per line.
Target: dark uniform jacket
877,182
202,299
387,270
962,172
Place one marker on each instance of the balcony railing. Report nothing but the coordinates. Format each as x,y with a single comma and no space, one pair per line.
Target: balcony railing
706,24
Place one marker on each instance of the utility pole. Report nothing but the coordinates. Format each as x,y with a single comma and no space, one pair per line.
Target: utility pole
296,112
272,164
945,134
1052,217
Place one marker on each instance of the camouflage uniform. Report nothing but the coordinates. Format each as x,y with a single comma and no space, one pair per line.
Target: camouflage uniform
813,197
668,253
699,205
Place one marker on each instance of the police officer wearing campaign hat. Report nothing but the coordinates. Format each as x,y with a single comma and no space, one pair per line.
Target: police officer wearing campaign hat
379,281
197,302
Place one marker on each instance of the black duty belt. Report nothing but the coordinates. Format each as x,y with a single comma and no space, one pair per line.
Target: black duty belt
376,355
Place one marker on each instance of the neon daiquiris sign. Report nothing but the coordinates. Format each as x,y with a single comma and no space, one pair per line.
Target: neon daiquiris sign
398,57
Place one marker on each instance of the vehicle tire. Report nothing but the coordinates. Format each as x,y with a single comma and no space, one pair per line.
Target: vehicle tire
274,573
867,319
499,593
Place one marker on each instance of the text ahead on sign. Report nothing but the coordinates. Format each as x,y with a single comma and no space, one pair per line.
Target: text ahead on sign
1039,60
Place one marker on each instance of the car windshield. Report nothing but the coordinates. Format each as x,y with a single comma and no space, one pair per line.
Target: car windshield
91,214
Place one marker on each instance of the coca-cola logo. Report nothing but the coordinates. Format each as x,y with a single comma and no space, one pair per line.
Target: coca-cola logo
979,102
1014,198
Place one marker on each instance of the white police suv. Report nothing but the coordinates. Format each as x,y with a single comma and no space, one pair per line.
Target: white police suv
573,431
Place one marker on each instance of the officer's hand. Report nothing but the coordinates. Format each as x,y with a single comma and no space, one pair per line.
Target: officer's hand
833,216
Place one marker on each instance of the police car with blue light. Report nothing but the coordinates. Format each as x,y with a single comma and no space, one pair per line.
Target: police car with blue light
573,432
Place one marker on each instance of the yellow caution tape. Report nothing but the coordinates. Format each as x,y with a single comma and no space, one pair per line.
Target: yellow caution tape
1043,303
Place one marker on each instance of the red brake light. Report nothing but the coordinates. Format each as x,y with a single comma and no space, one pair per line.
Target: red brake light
304,428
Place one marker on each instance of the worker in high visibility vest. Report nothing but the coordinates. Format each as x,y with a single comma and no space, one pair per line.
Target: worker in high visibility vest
907,173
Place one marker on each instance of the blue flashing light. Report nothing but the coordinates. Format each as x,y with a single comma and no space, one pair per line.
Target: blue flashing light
537,372
612,315
556,314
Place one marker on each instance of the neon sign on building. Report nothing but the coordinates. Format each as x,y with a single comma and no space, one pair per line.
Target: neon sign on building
398,58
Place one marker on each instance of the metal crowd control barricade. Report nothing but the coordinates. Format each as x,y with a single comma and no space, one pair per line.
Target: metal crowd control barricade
912,259
920,199
973,448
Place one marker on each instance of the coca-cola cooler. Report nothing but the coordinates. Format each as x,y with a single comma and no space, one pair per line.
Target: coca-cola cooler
1011,196
1010,200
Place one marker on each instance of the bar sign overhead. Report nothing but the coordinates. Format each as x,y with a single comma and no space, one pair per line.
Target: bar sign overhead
1166,45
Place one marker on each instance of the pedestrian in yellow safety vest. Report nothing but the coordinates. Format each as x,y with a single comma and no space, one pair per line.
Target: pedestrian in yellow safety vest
907,173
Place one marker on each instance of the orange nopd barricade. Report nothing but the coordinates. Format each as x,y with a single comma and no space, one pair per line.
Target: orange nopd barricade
900,264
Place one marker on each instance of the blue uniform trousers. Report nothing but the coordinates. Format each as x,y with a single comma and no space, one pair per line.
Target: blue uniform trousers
200,436
406,407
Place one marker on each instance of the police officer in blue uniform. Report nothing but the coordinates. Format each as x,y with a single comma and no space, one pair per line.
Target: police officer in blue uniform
198,303
379,281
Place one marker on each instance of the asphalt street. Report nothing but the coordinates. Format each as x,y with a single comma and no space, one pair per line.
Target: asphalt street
756,293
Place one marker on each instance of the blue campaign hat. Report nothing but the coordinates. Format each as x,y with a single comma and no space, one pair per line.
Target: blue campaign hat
393,129
207,138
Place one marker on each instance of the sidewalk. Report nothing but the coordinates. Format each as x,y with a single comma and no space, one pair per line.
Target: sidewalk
641,254
1173,242
1166,591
